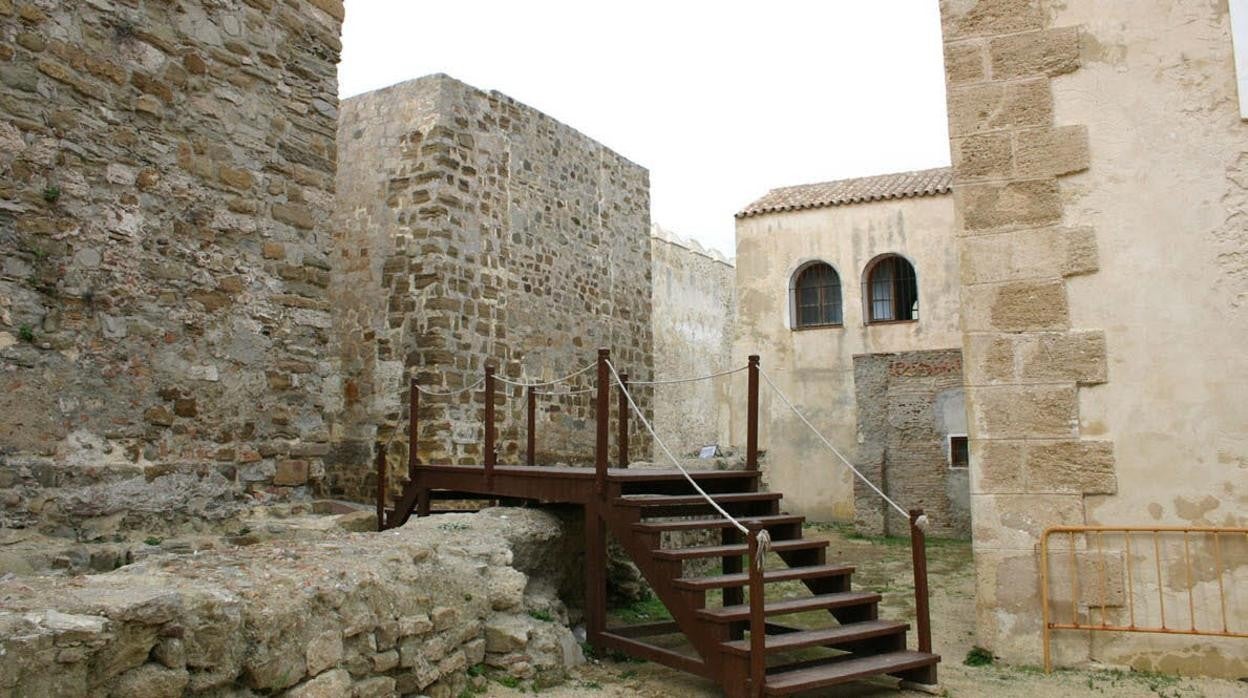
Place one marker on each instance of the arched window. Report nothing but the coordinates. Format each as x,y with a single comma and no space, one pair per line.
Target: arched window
892,292
816,296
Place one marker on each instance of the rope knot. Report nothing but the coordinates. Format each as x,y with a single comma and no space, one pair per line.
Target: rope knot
764,547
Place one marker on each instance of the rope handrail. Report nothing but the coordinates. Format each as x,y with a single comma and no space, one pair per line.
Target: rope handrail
569,392
729,517
690,380
923,520
426,391
536,384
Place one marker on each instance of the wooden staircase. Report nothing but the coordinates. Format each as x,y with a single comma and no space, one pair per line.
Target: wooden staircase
846,642
752,646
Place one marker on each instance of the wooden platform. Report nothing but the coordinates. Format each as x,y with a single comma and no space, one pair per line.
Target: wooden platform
742,643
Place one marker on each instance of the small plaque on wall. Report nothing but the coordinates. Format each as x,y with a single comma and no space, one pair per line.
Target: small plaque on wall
709,451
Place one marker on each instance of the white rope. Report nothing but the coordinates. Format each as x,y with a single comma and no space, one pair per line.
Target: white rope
424,391
568,392
689,380
740,527
564,379
784,398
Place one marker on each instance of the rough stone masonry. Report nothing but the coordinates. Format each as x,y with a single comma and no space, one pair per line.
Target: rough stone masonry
166,171
472,229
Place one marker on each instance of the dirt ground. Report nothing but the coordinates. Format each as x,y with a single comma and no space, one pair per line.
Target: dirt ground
884,566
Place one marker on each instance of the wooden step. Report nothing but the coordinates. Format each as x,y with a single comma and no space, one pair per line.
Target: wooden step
668,474
787,574
832,673
717,522
736,550
823,637
729,614
684,500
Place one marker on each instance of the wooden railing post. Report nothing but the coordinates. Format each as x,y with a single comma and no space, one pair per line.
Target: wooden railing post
623,440
531,449
604,416
381,488
751,416
413,430
758,620
918,551
489,427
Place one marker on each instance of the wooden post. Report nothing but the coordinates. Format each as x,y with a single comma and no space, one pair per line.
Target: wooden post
531,450
758,620
918,551
381,488
622,444
751,416
604,416
489,427
595,573
413,450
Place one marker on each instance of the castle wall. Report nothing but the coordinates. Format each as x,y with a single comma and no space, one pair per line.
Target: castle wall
479,229
166,174
1100,189
694,308
815,367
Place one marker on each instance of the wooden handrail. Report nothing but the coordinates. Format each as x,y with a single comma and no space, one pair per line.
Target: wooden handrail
413,421
623,409
751,425
758,620
490,454
381,488
918,554
603,417
531,436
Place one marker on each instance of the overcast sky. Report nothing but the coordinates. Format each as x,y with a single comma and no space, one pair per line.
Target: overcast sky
720,100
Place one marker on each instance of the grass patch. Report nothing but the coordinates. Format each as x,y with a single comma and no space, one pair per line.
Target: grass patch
51,193
646,610
543,616
978,656
26,333
152,540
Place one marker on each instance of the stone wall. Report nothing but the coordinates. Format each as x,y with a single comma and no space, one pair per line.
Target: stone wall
1100,179
409,612
166,173
693,310
909,404
815,366
475,229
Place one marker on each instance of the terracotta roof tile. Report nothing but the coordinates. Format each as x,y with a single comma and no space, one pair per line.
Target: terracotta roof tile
899,185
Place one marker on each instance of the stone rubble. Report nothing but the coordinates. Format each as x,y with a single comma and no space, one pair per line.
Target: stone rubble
409,611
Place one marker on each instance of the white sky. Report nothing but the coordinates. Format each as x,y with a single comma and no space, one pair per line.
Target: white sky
721,101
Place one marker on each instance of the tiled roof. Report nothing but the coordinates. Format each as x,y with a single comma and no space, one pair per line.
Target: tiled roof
899,185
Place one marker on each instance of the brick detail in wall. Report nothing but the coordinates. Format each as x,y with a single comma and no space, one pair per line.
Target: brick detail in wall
904,403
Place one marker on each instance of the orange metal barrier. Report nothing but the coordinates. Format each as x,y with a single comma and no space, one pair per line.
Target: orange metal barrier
1200,545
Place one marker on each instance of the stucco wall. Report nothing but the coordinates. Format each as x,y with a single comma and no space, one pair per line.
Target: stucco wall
1099,168
693,311
815,366
166,174
474,229
1167,193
